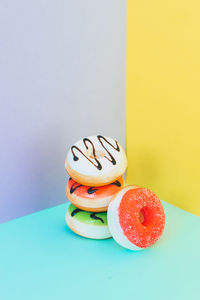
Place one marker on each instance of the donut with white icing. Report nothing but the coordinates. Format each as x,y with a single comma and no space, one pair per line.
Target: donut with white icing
87,224
96,161
136,218
93,199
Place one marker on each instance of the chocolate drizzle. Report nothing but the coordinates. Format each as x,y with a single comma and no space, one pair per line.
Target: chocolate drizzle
93,216
75,211
97,164
92,190
74,187
111,159
117,183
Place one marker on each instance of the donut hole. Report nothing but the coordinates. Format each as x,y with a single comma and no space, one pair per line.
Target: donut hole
98,154
141,217
145,216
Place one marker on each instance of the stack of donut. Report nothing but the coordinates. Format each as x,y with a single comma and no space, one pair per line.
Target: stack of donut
101,205
95,165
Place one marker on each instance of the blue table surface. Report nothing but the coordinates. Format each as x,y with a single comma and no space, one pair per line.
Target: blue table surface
41,258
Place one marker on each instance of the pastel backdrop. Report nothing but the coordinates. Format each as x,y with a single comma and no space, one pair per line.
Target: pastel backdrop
163,99
62,76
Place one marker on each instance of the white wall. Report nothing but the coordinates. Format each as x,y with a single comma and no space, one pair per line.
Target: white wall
62,76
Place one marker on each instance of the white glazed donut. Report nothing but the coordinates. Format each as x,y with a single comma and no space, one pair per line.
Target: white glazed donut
96,161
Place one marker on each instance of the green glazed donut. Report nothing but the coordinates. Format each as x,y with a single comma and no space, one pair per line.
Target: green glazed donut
88,224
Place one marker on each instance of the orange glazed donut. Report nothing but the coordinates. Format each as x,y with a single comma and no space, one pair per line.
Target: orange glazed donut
95,199
96,161
136,218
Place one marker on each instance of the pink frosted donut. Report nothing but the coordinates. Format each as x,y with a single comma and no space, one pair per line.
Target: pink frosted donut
136,218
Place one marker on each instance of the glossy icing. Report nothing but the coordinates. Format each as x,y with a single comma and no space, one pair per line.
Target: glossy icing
90,218
95,192
96,156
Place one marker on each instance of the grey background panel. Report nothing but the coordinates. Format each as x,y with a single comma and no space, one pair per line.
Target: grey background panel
62,76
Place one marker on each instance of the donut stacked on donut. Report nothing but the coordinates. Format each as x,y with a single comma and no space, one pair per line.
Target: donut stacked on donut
135,217
95,165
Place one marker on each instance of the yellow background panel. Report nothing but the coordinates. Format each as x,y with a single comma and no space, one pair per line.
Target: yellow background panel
163,99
